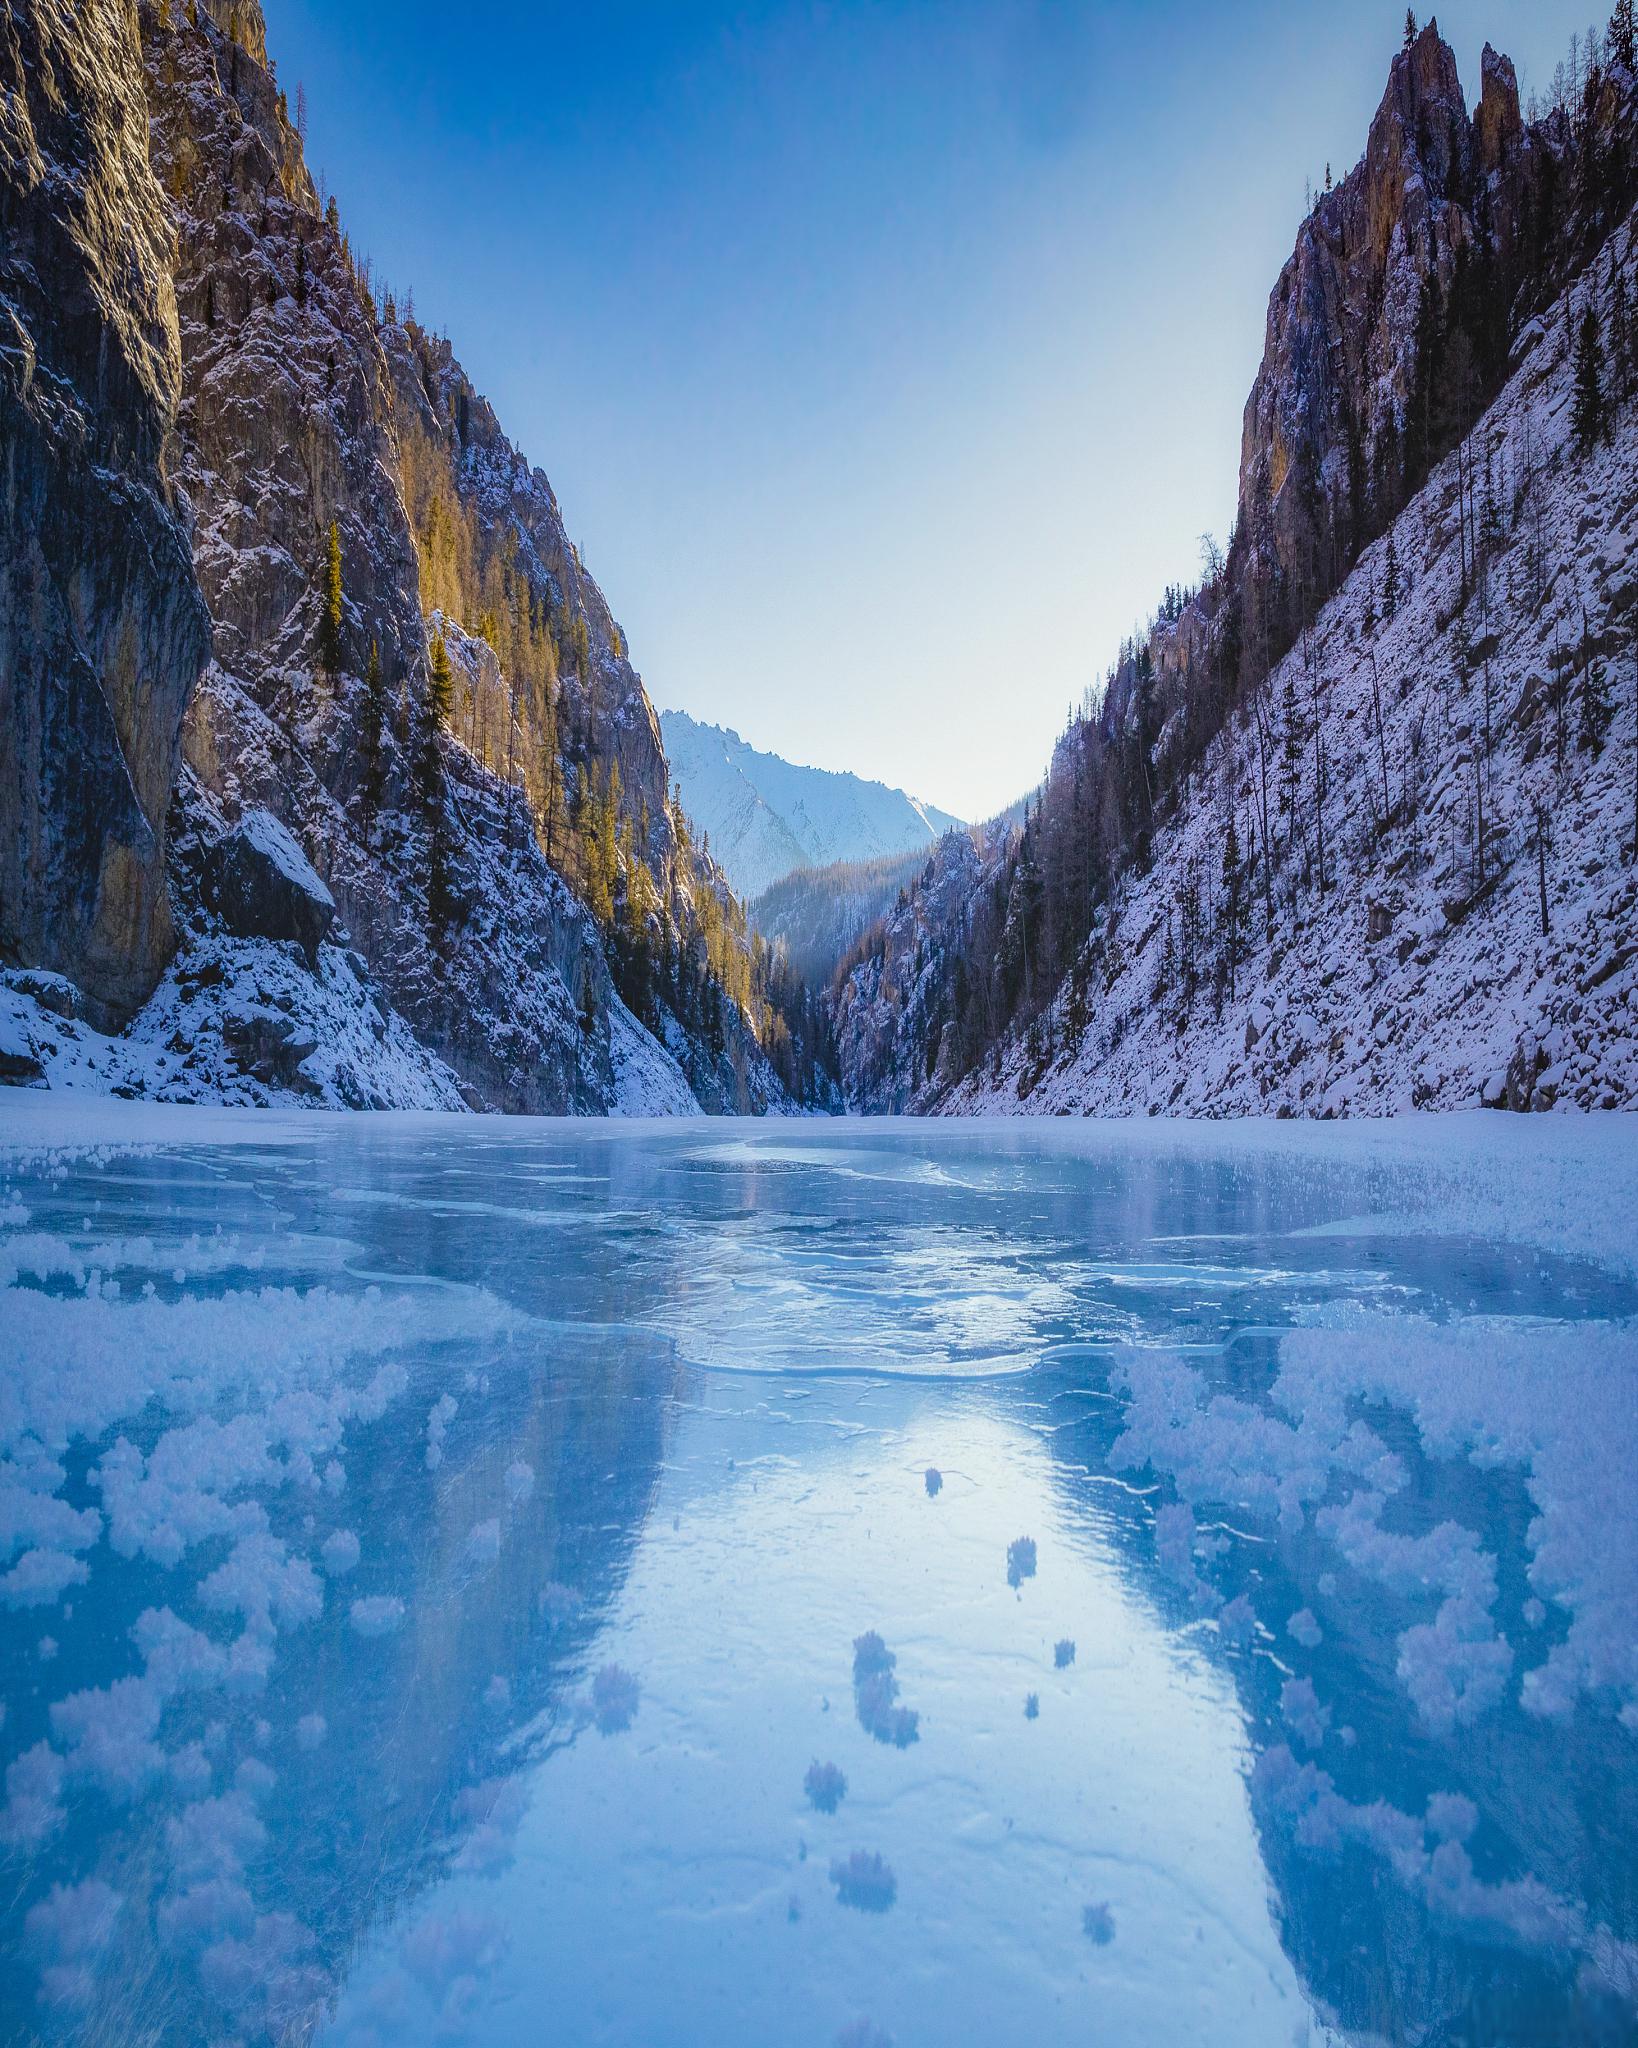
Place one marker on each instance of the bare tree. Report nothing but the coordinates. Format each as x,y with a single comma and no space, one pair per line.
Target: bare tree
1268,842
1381,739
1632,633
1312,662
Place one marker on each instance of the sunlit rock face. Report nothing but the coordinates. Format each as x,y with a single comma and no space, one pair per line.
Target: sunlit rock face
102,630
302,407
1324,453
205,385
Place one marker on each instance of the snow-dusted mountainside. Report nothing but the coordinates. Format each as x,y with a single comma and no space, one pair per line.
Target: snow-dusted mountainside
270,556
1426,975
1397,867
766,817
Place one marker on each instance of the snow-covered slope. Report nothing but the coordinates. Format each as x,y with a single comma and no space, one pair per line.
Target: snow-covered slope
1354,825
1462,784
767,817
1422,977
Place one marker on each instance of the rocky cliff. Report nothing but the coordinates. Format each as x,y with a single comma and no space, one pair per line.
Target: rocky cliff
1388,330
407,665
102,630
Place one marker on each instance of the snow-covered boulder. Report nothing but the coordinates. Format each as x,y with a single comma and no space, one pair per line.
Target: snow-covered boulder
270,1048
262,886
54,993
20,1063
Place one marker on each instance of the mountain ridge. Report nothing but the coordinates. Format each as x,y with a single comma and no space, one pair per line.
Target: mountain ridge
768,817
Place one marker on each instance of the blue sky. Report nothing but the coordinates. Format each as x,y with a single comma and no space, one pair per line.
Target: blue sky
888,359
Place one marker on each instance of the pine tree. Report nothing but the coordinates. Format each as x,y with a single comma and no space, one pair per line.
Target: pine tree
1234,907
1632,648
1166,973
600,838
1410,28
372,734
1189,932
1461,648
440,697
1320,777
1623,334
1492,530
1390,581
1590,417
440,683
331,616
1597,706
580,647
1291,745
1624,34
551,777
608,839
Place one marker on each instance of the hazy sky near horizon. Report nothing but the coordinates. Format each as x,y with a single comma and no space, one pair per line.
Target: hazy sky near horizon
887,356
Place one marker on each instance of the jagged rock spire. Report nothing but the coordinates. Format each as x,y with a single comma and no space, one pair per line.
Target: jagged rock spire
1323,451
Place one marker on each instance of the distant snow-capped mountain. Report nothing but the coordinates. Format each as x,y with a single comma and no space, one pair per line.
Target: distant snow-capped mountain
767,817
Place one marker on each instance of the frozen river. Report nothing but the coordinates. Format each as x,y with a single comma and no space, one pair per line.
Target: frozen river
501,1583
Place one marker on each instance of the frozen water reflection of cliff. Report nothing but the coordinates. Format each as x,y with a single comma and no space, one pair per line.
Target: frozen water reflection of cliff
434,1555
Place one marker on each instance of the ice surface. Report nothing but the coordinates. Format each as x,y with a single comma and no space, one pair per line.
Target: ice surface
460,1539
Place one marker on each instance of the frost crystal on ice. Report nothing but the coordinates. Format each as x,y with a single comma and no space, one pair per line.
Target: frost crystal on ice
1302,1712
1304,1629
377,1614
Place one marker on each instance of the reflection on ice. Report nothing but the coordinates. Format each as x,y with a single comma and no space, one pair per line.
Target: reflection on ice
330,1558
614,1698
1098,1923
864,1880
825,1785
1020,1560
863,2033
876,1694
